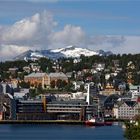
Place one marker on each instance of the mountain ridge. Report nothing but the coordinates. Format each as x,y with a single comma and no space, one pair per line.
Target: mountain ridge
67,52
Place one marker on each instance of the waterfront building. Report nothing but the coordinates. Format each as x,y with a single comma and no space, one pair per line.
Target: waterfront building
54,110
44,108
126,109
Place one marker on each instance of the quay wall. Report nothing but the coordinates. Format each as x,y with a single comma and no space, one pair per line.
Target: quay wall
67,122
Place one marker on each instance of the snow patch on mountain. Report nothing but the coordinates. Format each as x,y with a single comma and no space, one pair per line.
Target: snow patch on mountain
69,51
72,51
36,54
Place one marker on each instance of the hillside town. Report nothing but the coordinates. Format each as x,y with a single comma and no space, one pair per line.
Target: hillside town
69,70
70,88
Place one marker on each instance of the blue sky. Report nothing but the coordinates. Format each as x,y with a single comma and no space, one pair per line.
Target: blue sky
95,16
102,19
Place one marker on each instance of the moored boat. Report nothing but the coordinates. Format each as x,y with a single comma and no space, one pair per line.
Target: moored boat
97,122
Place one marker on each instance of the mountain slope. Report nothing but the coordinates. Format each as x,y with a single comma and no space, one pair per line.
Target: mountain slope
70,51
23,55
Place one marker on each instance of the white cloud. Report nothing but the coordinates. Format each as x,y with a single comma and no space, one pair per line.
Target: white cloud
9,51
105,42
109,39
69,35
130,45
38,32
21,30
29,31
116,44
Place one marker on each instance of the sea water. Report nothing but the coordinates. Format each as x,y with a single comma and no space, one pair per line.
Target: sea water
59,132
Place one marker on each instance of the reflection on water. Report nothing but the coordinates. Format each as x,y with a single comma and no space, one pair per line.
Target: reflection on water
60,132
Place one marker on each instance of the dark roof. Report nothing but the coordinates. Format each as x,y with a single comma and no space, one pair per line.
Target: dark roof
111,99
130,103
101,98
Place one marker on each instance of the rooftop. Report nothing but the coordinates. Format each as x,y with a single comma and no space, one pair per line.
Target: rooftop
130,103
36,75
57,74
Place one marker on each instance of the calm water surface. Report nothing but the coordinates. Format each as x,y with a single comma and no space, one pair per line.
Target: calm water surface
59,132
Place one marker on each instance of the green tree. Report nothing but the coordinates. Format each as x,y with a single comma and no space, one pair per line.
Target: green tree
46,64
69,87
5,75
40,89
132,131
81,88
32,93
24,84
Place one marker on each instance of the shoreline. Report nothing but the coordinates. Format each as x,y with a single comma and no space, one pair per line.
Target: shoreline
67,122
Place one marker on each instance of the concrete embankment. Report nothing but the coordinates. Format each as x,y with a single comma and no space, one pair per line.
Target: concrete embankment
67,122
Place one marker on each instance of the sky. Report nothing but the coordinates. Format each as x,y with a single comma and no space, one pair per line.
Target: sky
111,25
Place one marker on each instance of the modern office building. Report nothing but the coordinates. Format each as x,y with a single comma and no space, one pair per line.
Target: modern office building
55,110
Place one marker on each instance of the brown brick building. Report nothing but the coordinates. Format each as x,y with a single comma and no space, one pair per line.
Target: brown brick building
44,79
37,78
58,75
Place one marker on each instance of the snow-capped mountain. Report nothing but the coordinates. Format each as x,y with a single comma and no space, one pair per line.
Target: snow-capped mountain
72,51
69,51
